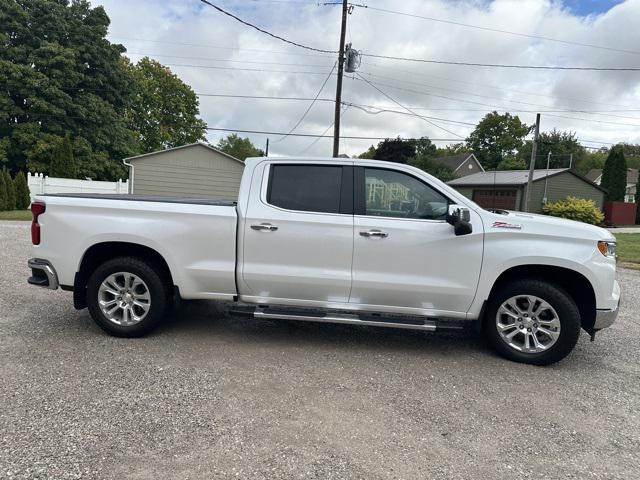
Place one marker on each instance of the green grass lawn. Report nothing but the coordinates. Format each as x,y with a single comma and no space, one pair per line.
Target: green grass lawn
628,247
16,215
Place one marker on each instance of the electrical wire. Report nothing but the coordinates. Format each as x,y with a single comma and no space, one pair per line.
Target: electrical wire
278,37
408,109
310,105
342,112
210,59
496,30
346,137
502,65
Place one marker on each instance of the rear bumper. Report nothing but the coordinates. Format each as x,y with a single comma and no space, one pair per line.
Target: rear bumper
42,274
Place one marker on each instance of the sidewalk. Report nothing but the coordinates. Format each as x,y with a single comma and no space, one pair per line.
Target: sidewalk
624,230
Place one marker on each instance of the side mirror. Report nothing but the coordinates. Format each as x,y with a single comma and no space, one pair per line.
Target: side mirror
459,217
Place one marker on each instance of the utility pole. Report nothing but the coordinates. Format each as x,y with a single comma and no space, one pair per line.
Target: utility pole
532,165
266,151
544,196
336,121
570,160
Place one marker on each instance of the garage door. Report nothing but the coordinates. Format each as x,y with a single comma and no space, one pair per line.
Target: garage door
504,199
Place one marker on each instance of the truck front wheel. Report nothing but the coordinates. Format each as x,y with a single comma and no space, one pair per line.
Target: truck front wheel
532,321
127,297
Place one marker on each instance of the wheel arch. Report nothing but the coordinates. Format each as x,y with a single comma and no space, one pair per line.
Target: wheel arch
574,283
103,251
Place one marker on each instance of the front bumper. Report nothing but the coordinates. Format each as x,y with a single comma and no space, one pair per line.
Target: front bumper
605,318
42,274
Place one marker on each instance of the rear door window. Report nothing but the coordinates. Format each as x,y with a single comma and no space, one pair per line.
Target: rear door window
308,188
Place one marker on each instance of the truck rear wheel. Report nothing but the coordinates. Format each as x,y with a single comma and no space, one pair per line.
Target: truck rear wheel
532,321
127,297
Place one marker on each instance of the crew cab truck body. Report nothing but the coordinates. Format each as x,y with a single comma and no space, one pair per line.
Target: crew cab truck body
333,240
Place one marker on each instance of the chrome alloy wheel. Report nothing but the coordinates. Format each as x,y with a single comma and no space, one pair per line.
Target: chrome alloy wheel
124,298
528,324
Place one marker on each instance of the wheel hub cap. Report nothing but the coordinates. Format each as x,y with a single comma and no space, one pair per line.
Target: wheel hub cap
124,298
528,323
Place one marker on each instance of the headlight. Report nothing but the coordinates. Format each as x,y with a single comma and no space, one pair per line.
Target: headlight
608,249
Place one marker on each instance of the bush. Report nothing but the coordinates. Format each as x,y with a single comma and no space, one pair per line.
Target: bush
10,203
3,193
23,199
573,208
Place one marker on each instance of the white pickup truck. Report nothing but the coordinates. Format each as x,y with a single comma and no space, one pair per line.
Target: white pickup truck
361,242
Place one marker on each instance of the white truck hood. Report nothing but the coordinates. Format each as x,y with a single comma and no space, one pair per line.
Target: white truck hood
543,224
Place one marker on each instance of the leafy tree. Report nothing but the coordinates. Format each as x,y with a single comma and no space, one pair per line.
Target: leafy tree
495,137
3,193
614,175
396,150
239,147
164,111
62,162
23,198
512,163
60,74
10,203
433,167
591,160
369,154
400,150
453,149
561,145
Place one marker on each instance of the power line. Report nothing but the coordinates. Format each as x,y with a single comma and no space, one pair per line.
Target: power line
210,59
408,109
348,137
342,112
220,47
215,67
507,100
496,30
278,37
493,107
364,108
310,105
501,65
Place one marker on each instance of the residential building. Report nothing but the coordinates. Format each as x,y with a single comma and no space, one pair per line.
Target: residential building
462,164
595,176
195,170
506,189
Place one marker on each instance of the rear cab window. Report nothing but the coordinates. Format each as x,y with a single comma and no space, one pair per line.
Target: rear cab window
311,188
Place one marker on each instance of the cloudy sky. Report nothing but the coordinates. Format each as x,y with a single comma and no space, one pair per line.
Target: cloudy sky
218,56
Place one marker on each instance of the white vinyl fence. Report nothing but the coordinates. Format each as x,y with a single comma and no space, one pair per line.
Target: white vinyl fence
39,183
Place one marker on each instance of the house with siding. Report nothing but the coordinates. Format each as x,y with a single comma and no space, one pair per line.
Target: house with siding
461,165
506,189
595,176
195,170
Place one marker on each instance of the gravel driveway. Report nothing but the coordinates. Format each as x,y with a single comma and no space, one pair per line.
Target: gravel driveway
212,396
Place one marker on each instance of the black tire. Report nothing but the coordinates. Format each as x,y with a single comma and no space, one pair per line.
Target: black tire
566,309
158,291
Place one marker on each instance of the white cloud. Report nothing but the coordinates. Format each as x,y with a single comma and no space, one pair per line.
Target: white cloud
191,29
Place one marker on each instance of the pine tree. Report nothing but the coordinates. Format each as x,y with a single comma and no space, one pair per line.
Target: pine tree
3,193
62,163
23,199
614,175
11,191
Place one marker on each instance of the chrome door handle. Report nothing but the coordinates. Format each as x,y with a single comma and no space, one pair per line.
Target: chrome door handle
264,227
375,234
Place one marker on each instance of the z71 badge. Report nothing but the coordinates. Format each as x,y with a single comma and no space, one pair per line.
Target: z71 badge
513,226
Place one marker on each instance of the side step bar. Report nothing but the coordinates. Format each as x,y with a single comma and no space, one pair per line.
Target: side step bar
367,319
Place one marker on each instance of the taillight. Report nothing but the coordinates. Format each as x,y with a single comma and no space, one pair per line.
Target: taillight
37,209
